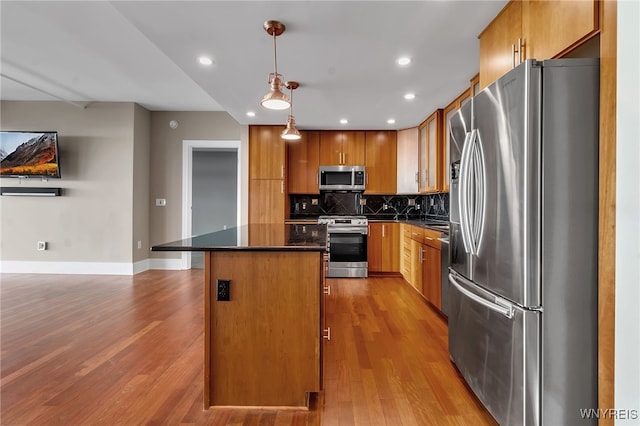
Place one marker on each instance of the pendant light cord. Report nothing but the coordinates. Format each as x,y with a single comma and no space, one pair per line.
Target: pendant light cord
275,56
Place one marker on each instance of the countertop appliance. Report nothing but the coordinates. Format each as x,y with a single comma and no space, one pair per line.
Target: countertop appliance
347,246
342,178
524,228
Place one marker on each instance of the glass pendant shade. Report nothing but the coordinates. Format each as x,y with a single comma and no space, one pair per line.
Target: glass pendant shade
290,132
275,98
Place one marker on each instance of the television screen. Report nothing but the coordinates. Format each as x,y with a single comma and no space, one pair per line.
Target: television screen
29,154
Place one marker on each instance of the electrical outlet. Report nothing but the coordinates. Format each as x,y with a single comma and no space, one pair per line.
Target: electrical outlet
223,290
139,244
42,245
412,201
314,201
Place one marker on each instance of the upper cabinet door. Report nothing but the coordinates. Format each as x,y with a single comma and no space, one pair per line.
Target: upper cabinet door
555,27
303,159
266,152
500,44
344,148
353,147
331,147
380,155
431,146
407,161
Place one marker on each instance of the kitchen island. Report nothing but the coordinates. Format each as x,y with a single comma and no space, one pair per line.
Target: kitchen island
263,313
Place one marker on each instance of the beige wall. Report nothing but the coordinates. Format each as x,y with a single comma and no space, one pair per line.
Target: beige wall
141,162
116,158
91,222
166,165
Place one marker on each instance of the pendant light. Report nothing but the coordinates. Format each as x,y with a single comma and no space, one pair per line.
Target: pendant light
275,98
290,132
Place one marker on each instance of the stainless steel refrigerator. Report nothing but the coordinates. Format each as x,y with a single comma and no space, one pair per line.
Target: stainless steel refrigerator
523,243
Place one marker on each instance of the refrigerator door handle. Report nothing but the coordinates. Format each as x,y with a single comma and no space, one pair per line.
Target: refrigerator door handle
463,193
499,305
480,191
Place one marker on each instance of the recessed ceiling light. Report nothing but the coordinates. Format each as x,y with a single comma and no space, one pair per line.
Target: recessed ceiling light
344,121
409,96
205,60
391,121
251,114
405,60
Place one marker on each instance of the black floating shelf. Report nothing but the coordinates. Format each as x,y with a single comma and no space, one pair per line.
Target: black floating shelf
30,191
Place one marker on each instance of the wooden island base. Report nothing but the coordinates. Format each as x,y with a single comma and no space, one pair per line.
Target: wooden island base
263,346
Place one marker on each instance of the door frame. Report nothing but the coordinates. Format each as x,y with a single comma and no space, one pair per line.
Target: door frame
188,146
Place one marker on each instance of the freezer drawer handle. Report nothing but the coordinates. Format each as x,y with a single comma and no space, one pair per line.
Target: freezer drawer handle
499,306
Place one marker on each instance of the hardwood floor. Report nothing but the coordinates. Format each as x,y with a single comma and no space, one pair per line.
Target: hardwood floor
90,350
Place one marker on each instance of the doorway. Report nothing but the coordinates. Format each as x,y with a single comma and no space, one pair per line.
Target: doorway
211,191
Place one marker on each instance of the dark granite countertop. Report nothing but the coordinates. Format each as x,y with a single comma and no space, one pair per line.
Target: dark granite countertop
268,237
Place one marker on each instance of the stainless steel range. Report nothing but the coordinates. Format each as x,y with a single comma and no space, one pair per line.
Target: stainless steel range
347,245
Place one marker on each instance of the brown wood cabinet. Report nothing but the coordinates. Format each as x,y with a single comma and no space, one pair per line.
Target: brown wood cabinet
303,159
405,251
267,198
431,278
266,152
420,261
412,250
552,28
448,112
342,148
381,162
266,201
263,348
500,43
534,29
431,146
383,250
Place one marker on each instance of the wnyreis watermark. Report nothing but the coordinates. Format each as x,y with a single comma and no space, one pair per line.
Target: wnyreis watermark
609,413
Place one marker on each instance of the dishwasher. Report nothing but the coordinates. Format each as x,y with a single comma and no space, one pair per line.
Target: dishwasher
444,273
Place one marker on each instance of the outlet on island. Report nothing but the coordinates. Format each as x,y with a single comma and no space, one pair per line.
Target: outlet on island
223,290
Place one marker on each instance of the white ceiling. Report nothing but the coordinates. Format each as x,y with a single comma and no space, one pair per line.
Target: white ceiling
343,54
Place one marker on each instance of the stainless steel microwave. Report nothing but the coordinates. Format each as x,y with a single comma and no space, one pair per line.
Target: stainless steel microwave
342,178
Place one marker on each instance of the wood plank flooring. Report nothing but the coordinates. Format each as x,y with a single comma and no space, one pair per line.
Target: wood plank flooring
92,350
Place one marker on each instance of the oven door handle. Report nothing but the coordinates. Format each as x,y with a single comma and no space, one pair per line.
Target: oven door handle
348,230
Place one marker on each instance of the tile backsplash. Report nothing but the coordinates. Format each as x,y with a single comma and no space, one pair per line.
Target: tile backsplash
430,206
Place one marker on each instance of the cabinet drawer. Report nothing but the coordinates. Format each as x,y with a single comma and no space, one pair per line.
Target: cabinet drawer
417,233
430,238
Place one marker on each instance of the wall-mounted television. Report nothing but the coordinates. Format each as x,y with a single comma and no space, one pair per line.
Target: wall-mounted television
24,154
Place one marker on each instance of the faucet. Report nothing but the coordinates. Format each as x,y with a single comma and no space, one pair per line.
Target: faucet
406,213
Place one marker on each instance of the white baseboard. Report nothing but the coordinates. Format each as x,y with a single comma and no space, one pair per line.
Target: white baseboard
87,268
168,264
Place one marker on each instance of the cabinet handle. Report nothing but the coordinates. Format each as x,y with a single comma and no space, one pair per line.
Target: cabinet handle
513,56
420,255
327,290
417,178
429,238
327,334
519,51
383,231
282,171
282,187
